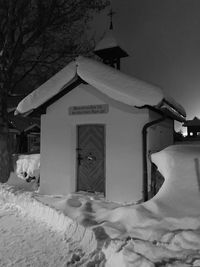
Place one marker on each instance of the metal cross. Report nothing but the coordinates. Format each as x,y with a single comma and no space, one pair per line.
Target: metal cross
110,14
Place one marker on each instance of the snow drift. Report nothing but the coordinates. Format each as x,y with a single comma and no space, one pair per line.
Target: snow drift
164,231
176,206
28,166
180,194
25,167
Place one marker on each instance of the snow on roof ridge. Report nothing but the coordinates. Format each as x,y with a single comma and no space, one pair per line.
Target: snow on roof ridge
118,85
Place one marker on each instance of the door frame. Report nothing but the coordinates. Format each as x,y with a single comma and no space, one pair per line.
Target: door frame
104,151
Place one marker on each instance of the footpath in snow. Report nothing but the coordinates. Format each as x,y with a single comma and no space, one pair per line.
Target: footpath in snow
76,242
27,242
164,231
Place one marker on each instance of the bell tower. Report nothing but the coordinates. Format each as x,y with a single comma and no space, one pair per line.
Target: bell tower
108,49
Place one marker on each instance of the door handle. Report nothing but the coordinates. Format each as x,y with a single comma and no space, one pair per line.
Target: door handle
91,158
80,158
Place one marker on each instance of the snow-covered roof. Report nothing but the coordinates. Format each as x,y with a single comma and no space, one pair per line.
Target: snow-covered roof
108,41
22,123
111,82
33,128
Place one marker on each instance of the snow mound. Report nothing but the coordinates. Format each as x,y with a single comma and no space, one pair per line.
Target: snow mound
180,194
26,172
164,231
139,253
28,166
176,206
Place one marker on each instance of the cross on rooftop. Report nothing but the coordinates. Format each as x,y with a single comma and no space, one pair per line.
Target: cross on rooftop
110,14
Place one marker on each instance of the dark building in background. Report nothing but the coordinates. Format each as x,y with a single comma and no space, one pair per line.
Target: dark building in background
24,135
193,129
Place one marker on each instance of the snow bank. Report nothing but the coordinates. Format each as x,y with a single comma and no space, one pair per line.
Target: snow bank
140,253
25,167
164,231
28,166
133,235
27,242
21,184
180,194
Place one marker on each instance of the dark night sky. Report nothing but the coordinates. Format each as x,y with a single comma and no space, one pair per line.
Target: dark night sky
162,38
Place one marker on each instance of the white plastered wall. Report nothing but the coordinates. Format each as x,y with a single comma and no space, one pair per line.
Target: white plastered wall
123,126
160,135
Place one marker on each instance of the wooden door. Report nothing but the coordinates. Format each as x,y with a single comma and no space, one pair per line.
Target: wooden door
91,158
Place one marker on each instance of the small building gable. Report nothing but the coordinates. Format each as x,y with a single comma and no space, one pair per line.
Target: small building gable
109,81
98,126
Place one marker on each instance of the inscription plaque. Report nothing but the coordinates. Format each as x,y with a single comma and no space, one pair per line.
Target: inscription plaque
89,109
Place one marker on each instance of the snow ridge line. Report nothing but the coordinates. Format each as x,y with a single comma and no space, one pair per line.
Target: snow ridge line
71,230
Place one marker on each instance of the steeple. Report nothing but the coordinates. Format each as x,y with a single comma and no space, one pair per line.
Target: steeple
108,49
110,14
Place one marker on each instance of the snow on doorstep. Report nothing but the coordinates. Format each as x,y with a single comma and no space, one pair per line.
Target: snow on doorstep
109,81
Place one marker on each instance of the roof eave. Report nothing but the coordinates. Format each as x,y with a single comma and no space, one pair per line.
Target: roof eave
171,111
41,109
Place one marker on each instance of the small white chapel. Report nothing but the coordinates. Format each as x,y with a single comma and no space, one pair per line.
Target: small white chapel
99,126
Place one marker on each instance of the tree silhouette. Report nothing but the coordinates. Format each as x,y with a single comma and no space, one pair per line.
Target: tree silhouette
37,37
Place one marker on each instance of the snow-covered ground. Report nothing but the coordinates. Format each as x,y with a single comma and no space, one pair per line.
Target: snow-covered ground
165,231
40,231
27,242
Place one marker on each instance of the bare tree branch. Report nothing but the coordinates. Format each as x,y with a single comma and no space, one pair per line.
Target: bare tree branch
28,25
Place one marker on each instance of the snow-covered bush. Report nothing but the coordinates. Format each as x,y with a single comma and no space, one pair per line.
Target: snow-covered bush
28,167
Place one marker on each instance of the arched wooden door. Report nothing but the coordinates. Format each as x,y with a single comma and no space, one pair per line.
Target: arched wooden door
91,158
